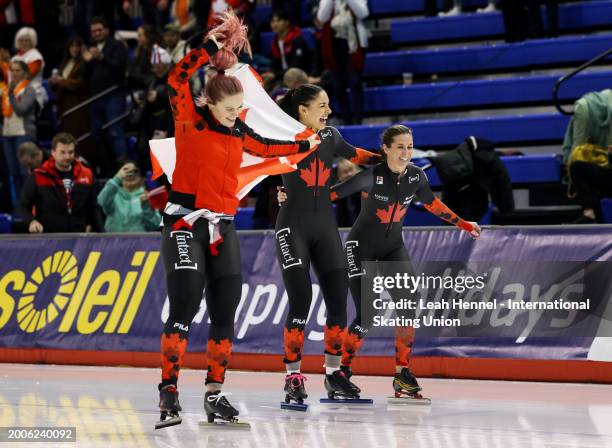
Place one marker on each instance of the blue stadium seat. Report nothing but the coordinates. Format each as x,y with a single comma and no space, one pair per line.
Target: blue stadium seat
471,26
395,7
529,169
501,130
244,218
606,210
468,94
537,52
268,36
6,223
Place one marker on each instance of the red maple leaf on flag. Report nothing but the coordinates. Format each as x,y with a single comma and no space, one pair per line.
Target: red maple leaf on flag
384,214
309,175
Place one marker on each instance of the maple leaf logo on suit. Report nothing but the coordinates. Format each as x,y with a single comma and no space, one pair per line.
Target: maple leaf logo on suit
384,214
309,175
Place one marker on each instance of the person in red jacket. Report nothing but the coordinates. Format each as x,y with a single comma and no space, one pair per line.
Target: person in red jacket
199,241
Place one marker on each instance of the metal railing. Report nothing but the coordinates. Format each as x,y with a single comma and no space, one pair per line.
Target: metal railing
88,101
572,74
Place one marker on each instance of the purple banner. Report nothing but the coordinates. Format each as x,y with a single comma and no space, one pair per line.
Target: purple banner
108,292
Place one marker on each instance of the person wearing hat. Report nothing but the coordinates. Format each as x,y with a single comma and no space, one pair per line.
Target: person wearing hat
176,47
125,202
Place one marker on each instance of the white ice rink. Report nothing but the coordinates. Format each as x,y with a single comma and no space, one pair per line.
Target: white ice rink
117,407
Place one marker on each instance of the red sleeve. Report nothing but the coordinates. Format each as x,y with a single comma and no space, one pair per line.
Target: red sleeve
364,157
178,80
34,67
438,208
255,144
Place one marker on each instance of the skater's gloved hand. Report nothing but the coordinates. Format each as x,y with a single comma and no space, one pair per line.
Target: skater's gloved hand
475,233
281,195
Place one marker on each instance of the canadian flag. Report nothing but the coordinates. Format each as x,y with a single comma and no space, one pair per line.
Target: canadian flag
267,119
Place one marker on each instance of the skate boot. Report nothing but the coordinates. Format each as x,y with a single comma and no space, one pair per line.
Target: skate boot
339,389
169,406
407,389
348,373
219,411
295,391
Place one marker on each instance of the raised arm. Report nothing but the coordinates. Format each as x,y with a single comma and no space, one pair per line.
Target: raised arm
356,155
434,205
178,80
360,182
255,144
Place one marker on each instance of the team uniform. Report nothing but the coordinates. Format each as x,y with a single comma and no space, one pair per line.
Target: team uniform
377,236
306,232
200,246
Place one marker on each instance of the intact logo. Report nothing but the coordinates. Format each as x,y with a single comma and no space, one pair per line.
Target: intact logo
413,179
352,259
289,259
309,174
379,180
325,133
384,214
182,238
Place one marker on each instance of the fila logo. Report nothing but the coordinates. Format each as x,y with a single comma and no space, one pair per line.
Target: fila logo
361,329
285,248
299,321
379,180
180,326
182,238
413,179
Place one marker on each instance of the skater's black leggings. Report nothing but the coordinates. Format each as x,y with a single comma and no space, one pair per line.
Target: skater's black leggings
303,237
394,259
192,265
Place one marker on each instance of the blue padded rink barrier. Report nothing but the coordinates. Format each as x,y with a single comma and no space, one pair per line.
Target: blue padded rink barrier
116,407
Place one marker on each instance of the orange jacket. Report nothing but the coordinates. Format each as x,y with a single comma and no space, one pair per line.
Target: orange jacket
208,154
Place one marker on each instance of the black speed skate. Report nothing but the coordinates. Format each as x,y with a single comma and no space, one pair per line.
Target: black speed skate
169,406
219,411
296,392
340,389
348,373
407,389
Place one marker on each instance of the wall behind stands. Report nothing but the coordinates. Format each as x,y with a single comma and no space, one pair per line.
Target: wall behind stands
101,299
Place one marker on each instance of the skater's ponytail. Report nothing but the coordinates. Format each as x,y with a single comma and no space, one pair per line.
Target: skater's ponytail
300,96
235,41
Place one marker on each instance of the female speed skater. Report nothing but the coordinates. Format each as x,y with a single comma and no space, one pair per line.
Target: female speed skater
307,232
387,190
199,241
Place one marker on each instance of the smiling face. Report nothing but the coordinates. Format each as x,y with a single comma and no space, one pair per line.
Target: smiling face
24,43
227,110
399,152
315,114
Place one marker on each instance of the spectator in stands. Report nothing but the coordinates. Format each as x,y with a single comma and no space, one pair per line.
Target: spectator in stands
292,8
171,38
289,48
157,121
19,121
125,202
345,39
183,15
139,74
31,156
592,124
292,79
106,62
26,41
59,196
154,12
71,88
